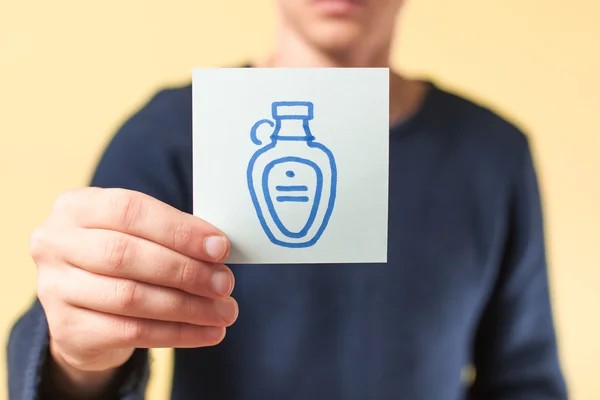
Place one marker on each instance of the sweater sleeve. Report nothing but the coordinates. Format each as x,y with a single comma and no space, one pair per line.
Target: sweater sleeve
515,353
144,156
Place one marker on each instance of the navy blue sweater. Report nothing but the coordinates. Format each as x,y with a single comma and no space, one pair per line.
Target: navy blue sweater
466,282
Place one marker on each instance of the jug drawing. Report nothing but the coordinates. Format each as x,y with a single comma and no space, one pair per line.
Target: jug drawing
292,180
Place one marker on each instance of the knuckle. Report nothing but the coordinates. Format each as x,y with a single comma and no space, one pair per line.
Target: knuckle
66,199
38,243
182,233
119,252
126,294
179,333
45,290
126,208
68,206
50,288
58,326
188,274
134,330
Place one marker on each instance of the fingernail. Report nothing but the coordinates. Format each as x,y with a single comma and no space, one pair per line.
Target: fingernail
222,283
227,309
215,247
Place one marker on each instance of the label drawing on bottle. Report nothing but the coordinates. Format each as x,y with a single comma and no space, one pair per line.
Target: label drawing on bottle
293,179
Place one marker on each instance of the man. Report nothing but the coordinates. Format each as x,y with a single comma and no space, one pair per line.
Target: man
124,267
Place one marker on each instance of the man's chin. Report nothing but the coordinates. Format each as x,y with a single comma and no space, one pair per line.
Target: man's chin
338,38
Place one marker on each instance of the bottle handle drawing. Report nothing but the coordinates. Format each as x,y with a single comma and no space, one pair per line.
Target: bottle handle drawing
253,131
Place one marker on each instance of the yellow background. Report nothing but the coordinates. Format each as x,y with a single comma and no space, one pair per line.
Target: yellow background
72,70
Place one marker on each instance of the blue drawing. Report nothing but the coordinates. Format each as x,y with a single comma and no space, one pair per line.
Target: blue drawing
292,180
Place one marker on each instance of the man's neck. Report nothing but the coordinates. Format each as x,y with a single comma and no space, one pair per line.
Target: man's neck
406,96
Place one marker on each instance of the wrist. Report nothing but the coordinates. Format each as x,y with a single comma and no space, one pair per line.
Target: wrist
68,382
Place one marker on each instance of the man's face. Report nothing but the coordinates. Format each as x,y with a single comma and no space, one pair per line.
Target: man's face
340,25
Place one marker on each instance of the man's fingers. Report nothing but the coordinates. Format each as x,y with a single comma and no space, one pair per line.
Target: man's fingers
141,300
109,331
141,215
124,256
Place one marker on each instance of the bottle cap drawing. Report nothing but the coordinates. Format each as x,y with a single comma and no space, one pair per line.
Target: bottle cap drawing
292,180
292,109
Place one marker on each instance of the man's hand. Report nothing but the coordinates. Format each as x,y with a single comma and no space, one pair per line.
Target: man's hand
119,270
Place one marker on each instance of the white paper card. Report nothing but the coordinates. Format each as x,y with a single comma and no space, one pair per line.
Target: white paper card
292,164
